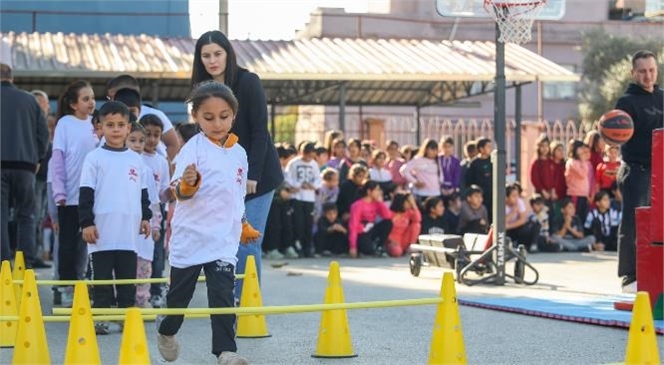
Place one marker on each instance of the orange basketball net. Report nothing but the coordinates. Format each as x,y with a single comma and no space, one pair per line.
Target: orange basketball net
514,17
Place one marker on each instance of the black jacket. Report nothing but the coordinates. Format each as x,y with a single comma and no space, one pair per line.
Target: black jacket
251,128
24,129
647,112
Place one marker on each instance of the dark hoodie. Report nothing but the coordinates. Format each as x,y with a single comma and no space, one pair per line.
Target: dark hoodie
647,111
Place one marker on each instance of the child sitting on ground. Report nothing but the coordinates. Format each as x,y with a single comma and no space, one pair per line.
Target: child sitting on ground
452,212
540,215
473,217
432,220
602,222
331,236
406,224
567,231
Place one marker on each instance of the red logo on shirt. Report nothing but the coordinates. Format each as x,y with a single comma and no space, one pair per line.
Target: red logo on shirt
133,175
238,177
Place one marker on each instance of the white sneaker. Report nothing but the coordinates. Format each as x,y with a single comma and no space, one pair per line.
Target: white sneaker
168,346
291,253
67,297
629,288
231,358
274,255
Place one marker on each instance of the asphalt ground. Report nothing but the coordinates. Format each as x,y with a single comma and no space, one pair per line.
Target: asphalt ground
398,335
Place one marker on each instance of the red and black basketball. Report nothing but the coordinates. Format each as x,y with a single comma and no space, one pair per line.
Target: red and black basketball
616,127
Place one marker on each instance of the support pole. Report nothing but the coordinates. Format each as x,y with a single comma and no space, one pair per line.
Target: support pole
155,93
342,108
498,161
517,130
418,126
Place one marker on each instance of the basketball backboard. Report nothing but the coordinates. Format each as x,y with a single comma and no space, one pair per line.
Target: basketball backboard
654,9
553,9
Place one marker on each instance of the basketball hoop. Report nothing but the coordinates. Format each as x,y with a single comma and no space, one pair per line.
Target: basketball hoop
514,17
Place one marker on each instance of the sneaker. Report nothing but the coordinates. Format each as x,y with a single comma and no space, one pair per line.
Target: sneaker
274,255
326,253
168,346
67,297
157,301
231,358
39,264
120,325
291,253
629,284
101,328
57,297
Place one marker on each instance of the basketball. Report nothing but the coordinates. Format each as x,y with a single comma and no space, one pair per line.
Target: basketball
616,127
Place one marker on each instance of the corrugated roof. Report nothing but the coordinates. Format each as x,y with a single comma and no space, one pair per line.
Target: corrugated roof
375,71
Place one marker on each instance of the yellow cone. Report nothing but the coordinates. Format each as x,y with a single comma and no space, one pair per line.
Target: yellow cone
134,346
447,340
641,343
31,346
82,341
17,274
7,306
252,326
334,332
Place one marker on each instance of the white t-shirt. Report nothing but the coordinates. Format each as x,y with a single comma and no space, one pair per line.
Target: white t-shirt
207,227
75,138
299,172
158,165
168,125
380,175
117,177
521,206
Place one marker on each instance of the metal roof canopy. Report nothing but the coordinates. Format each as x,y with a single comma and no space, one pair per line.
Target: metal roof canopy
297,72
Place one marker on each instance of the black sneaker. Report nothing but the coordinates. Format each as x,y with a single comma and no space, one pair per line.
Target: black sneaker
39,264
57,297
101,328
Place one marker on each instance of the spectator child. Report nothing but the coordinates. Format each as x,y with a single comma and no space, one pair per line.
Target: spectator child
518,227
131,98
480,173
596,145
452,212
278,242
73,139
542,170
607,171
321,157
379,171
602,223
210,183
560,184
394,163
450,167
406,224
469,153
328,142
432,219
473,216
366,151
328,191
145,246
338,153
578,177
96,124
567,231
349,190
423,172
540,216
114,209
354,156
408,152
303,175
331,236
616,202
367,234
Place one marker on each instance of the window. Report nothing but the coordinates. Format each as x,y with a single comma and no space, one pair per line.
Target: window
560,90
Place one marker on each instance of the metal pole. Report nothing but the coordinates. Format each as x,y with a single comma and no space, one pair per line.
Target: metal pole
273,122
342,108
155,93
223,16
498,161
517,130
418,126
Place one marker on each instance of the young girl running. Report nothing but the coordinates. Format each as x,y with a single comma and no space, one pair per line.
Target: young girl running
74,138
209,182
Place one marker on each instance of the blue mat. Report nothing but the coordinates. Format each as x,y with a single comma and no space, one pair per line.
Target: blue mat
591,310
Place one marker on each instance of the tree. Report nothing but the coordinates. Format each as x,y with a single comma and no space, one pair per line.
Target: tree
606,70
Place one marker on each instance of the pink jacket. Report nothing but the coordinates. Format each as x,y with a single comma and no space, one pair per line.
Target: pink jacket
578,177
401,222
361,213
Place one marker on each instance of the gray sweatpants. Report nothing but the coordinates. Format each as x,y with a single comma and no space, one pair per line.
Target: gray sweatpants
573,244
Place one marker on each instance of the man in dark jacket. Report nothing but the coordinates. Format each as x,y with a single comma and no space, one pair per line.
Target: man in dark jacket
24,143
643,102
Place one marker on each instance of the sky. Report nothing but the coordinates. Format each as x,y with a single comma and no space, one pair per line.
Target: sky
263,19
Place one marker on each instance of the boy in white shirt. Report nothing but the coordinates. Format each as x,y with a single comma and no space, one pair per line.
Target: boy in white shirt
302,174
113,209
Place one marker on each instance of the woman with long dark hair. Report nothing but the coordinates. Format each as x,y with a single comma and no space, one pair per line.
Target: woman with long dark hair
214,59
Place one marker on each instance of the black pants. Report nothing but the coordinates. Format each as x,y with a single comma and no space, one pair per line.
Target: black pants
72,247
279,227
369,242
159,256
634,184
220,281
107,265
526,235
335,242
303,220
18,187
582,207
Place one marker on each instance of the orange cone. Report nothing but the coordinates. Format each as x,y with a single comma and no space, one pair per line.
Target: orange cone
447,340
134,345
17,274
31,346
251,326
82,345
334,332
7,307
642,343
